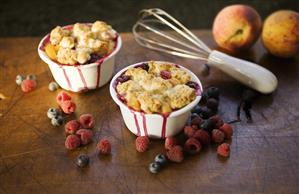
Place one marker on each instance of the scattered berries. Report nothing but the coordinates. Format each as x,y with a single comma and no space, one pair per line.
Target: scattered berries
28,85
175,154
53,86
217,136
170,142
223,150
72,142
202,136
161,159
104,146
87,121
68,106
53,112
227,130
19,79
154,167
85,136
192,146
142,143
189,131
62,96
71,127
82,160
57,120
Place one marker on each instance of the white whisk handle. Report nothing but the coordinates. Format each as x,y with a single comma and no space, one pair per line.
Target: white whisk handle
248,73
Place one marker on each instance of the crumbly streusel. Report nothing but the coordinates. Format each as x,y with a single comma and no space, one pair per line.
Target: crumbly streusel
75,45
148,91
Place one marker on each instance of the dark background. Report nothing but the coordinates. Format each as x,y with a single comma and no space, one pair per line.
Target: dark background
37,17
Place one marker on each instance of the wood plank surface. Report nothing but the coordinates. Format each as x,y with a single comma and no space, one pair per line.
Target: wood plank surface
264,154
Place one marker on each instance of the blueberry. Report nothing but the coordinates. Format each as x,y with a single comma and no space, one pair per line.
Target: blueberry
53,112
154,167
161,159
31,76
19,79
206,113
82,160
193,115
57,120
213,92
207,125
212,103
249,95
53,86
197,109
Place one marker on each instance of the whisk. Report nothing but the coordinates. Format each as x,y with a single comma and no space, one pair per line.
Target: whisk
151,31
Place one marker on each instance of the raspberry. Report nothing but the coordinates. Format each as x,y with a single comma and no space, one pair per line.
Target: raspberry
196,121
72,142
223,150
192,146
175,154
104,146
71,127
62,96
85,136
217,136
28,85
165,74
68,106
202,136
170,142
227,130
217,121
195,127
142,143
189,131
87,121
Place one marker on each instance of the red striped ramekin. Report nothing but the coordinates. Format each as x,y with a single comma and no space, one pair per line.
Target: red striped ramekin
155,125
80,78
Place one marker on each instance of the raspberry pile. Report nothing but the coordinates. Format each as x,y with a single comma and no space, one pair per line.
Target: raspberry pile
27,83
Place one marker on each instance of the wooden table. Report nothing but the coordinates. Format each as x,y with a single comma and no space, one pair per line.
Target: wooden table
264,154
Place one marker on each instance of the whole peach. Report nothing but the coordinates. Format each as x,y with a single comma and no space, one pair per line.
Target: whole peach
237,27
280,34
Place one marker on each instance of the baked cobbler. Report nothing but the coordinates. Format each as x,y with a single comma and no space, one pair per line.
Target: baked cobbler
156,87
80,43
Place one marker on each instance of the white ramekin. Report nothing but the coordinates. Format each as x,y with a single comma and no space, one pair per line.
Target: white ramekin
154,125
81,77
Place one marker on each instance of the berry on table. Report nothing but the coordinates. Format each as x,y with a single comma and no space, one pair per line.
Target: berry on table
57,120
207,125
196,121
142,143
87,121
175,154
28,85
19,79
67,106
72,142
31,77
206,113
53,112
218,122
227,130
189,131
154,167
62,96
212,104
161,159
197,109
53,86
170,142
192,146
85,136
213,92
217,136
104,146
202,136
82,160
223,150
71,127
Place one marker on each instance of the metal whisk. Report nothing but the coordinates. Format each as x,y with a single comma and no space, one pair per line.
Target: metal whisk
157,30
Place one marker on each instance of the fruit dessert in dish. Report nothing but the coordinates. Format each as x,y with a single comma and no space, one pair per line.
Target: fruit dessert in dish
80,43
156,87
155,97
81,56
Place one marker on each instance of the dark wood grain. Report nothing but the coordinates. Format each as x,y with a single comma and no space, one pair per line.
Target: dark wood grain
264,156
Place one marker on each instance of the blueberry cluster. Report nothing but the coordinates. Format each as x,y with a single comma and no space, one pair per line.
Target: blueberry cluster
159,162
56,116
